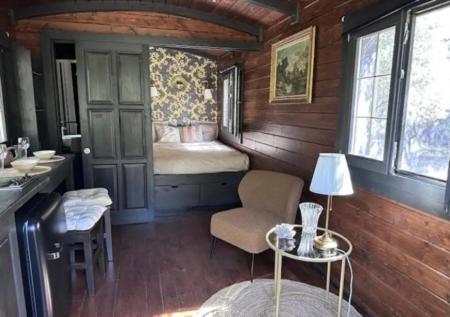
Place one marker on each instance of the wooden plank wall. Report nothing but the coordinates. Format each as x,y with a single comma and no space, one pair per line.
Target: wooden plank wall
401,258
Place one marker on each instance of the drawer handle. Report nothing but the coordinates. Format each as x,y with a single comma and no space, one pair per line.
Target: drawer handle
174,186
224,184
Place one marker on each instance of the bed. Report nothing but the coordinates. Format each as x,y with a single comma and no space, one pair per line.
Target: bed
198,174
197,158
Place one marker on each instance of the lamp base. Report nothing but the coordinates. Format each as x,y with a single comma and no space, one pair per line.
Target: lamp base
326,244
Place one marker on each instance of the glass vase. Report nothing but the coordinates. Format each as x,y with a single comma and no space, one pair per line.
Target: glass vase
310,218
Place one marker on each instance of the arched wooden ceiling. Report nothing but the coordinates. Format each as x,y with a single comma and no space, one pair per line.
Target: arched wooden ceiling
246,15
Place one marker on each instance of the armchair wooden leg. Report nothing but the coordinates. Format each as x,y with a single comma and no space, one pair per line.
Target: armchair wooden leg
251,267
213,247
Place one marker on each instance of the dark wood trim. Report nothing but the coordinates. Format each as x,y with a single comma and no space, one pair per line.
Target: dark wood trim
290,7
370,14
172,42
132,5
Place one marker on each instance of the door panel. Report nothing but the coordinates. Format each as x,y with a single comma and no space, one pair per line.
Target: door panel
105,176
130,84
118,134
99,77
132,133
101,128
135,185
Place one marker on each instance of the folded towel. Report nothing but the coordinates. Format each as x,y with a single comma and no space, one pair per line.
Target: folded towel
87,197
82,218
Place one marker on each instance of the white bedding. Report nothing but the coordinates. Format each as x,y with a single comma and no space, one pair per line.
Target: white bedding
197,158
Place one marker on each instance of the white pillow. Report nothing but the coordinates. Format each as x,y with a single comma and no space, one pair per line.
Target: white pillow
167,134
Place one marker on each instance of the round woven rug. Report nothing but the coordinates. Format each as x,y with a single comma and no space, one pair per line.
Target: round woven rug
257,299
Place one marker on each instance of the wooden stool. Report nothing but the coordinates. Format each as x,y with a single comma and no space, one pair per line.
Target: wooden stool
92,242
91,197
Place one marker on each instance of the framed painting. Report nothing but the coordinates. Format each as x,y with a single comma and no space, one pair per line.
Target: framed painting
292,65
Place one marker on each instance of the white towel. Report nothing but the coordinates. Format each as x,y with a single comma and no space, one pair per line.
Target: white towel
87,197
82,218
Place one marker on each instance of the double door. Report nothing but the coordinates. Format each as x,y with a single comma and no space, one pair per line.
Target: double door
115,121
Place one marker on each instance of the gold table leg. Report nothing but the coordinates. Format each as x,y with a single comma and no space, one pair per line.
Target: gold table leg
278,284
341,287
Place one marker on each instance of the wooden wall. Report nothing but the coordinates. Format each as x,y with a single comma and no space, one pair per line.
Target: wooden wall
401,258
28,31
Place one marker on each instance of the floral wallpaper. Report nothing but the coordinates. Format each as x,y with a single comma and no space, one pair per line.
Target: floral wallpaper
179,78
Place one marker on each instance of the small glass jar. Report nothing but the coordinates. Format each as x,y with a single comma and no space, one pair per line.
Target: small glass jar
310,217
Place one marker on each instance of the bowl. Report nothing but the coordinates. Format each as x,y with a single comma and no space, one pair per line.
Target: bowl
44,155
24,166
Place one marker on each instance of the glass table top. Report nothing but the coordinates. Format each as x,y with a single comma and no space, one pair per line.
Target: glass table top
288,247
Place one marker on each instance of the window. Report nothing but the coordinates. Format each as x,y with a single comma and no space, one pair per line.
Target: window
425,139
396,129
372,88
231,101
3,137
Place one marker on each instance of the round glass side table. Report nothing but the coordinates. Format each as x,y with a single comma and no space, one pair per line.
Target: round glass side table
288,248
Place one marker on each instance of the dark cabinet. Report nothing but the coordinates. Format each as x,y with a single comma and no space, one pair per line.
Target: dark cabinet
11,296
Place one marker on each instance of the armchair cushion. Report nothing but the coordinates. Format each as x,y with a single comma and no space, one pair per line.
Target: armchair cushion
244,228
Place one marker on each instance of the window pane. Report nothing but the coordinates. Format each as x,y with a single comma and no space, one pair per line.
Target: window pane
2,117
425,144
371,94
225,102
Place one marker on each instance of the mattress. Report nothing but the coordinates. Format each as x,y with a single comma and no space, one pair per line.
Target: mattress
197,158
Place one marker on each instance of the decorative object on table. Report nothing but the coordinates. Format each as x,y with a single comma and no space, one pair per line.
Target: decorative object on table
37,170
24,165
23,143
44,155
285,236
310,218
256,299
55,158
285,231
3,154
332,178
292,64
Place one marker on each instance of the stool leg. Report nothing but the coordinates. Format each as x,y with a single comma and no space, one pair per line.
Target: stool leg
101,257
108,235
89,266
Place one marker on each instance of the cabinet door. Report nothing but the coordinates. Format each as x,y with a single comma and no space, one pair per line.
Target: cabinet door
8,300
12,301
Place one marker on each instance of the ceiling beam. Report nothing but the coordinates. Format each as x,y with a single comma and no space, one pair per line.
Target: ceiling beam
174,42
288,7
132,5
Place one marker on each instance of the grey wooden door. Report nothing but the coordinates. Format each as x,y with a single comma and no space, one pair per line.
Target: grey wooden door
115,125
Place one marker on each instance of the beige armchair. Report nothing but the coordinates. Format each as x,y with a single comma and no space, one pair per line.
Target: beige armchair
268,198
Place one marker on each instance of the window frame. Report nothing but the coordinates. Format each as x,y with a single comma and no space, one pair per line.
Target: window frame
235,111
3,94
384,178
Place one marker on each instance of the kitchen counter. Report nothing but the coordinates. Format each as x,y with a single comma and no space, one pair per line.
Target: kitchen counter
62,171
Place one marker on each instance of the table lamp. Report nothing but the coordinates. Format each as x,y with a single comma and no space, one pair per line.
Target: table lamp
332,178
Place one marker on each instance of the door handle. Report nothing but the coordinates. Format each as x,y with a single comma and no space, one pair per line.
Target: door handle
87,150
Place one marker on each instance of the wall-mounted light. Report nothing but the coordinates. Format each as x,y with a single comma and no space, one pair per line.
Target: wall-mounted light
207,93
153,90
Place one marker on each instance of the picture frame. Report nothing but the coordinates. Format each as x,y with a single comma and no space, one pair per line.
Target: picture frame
292,68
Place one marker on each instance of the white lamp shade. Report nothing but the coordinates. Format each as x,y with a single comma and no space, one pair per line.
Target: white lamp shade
331,176
154,91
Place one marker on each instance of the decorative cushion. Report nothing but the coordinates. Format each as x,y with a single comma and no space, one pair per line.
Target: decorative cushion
191,134
210,131
167,134
82,218
86,197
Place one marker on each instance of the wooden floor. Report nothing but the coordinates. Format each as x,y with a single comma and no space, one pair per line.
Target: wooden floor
164,269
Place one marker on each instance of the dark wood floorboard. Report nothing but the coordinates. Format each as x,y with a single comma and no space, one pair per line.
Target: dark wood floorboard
164,269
